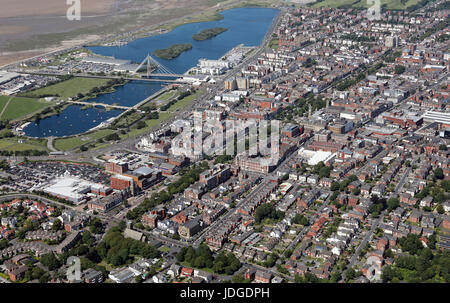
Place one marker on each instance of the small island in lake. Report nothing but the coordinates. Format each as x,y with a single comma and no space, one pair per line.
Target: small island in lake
209,33
172,51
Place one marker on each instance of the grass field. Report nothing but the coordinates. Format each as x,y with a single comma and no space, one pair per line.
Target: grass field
164,249
69,88
390,4
19,107
12,144
185,101
166,95
66,144
274,43
3,102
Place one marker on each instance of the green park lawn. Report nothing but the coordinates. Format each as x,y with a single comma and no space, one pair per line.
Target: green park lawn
274,43
12,144
69,88
185,101
19,107
166,95
70,143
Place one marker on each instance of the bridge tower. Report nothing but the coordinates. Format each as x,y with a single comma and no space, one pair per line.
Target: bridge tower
150,61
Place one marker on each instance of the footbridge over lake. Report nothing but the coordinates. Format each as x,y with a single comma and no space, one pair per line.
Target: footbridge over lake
114,106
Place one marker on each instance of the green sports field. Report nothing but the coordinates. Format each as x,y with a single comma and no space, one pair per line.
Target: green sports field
19,107
68,88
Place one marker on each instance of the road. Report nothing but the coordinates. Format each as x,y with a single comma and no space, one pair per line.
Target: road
104,217
231,212
369,235
81,75
218,86
33,196
300,236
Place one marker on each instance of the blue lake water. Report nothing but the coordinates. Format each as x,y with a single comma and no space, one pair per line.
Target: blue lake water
73,120
246,26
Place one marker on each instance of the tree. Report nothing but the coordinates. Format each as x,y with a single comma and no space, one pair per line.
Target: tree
87,238
439,173
93,255
44,278
190,254
140,125
37,272
50,261
324,172
443,147
388,253
388,273
239,278
399,69
393,203
335,186
218,266
57,225
96,226
288,253
350,274
3,243
300,219
148,251
440,209
112,137
411,243
310,278
267,210
199,262
335,276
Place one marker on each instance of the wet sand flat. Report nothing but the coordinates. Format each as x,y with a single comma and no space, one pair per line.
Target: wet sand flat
24,8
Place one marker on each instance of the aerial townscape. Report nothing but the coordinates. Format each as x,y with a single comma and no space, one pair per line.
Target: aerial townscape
259,141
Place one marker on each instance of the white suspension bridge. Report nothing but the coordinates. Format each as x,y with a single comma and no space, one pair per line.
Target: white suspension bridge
155,71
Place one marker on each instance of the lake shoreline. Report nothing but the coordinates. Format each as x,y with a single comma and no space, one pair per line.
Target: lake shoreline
134,92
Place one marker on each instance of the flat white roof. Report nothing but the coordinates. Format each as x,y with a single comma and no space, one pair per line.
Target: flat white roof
7,76
70,188
314,157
